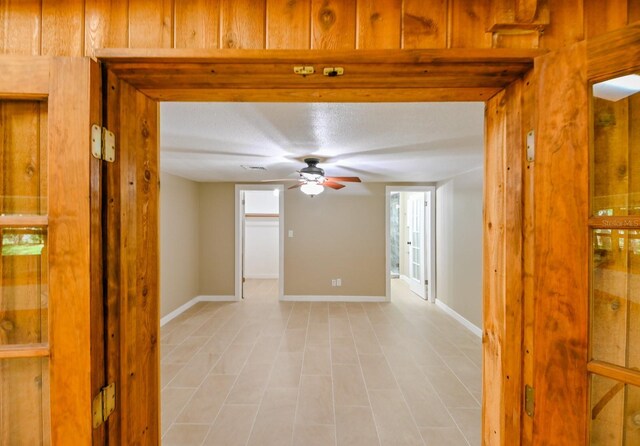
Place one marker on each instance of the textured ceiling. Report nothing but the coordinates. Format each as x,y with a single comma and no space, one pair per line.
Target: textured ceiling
375,141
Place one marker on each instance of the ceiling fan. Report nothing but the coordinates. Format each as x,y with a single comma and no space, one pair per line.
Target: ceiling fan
312,179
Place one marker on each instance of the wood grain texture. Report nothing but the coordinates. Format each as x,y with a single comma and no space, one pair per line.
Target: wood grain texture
567,24
113,235
333,24
98,334
62,28
196,23
529,117
288,24
106,24
379,24
323,94
602,17
242,23
469,24
69,251
562,248
502,338
614,53
137,316
22,77
21,31
151,24
425,25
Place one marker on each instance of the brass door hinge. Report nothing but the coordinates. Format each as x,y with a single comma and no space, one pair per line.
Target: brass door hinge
529,400
103,143
104,404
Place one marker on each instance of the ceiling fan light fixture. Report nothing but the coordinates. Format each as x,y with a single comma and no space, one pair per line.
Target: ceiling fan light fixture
312,189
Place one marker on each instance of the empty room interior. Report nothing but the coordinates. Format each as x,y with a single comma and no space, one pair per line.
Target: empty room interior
321,273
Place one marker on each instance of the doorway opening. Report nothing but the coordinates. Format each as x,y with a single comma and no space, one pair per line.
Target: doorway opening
259,238
139,95
410,232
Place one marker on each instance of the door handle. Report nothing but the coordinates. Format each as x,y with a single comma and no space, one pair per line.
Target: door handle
408,243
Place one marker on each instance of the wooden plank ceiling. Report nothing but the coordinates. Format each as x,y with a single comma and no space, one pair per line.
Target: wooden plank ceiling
248,74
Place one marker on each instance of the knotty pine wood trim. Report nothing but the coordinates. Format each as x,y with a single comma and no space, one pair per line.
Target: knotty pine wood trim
616,372
24,351
23,220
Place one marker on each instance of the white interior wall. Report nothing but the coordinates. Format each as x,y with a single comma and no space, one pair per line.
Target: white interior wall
459,244
179,244
261,256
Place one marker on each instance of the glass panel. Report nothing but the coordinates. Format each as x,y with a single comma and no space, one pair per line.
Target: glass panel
23,286
615,413
616,156
23,160
24,402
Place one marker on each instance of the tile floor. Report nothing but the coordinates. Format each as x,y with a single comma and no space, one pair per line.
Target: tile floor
263,372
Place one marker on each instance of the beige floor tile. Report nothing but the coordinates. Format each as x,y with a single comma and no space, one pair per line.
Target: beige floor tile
173,401
393,419
286,370
293,340
443,436
207,400
232,360
366,342
275,419
376,371
469,422
265,350
194,371
314,435
355,426
466,371
250,385
185,351
317,360
248,334
452,392
315,402
339,327
168,372
298,321
293,380
318,334
178,335
425,404
348,386
343,351
232,426
185,435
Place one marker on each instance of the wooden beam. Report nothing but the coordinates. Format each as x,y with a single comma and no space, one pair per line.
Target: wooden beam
615,372
23,351
14,83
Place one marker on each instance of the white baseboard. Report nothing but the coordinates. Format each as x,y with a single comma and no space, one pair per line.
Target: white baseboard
405,279
468,325
184,307
293,298
261,276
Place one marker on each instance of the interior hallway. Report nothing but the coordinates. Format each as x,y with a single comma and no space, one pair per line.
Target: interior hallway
260,372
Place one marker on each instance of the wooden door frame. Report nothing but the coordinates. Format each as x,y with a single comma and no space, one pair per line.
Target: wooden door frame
494,76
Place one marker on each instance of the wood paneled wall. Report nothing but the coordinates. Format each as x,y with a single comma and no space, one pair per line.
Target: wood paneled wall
77,27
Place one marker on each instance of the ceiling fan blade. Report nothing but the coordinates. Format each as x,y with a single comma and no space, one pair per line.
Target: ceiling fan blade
295,186
345,179
279,180
333,185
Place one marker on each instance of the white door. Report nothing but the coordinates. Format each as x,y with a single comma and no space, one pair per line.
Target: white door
416,242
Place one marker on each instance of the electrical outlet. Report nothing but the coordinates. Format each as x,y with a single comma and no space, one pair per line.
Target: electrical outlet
338,282
333,282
